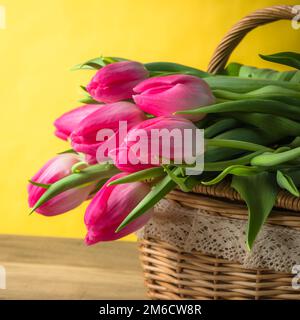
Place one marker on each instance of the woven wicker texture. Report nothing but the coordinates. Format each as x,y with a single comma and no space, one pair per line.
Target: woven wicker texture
223,190
171,273
233,209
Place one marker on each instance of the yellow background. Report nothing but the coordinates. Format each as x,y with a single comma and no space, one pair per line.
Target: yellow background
43,39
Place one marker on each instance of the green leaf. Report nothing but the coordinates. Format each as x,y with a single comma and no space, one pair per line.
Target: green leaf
84,89
243,85
250,134
68,151
178,178
109,60
89,100
220,126
295,143
93,64
221,165
286,182
269,159
282,149
295,176
270,92
157,193
279,108
284,127
269,74
76,180
79,166
170,67
42,185
97,63
256,73
140,176
233,69
161,73
236,144
291,59
237,170
259,192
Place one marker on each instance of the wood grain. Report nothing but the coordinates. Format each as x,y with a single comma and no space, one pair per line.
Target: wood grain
54,268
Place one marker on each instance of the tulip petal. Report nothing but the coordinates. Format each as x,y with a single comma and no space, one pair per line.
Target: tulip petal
110,206
166,95
69,121
86,137
115,82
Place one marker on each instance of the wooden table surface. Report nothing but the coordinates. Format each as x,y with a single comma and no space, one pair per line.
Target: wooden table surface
56,268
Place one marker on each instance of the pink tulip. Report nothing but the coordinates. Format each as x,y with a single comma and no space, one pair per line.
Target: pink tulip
115,81
85,138
154,147
54,170
162,96
69,121
109,208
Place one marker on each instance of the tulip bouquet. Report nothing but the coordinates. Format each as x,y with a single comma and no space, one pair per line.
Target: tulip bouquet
251,123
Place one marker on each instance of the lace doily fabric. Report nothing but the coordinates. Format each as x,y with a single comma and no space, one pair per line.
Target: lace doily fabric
276,248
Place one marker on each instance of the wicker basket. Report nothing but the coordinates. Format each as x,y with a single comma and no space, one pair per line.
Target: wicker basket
171,273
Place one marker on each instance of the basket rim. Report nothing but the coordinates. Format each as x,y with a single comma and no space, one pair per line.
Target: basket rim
223,191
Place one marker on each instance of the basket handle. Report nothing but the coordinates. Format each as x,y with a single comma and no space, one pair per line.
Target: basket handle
240,29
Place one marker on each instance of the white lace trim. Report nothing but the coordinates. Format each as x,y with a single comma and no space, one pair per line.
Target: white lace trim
276,248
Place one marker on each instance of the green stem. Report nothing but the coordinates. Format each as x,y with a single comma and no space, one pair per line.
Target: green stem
273,159
77,167
221,165
235,144
255,105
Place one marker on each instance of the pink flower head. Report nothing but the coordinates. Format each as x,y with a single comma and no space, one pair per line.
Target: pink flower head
154,140
115,81
163,96
87,137
54,170
109,208
69,121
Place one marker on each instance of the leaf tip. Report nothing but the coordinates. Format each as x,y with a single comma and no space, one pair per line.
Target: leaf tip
249,245
120,227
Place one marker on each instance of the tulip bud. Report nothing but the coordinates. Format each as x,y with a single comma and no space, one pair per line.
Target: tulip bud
163,96
69,121
148,144
115,82
85,138
110,207
54,170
